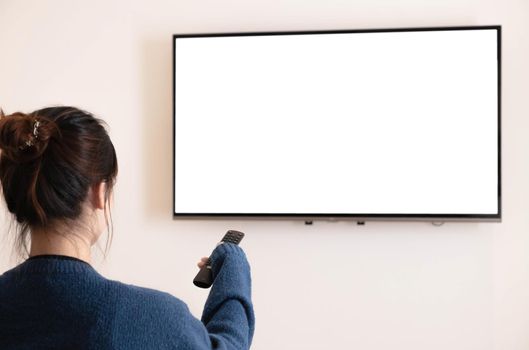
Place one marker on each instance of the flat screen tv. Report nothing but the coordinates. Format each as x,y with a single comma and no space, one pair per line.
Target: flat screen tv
399,124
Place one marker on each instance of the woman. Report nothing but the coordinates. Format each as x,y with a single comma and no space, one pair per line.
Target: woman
57,169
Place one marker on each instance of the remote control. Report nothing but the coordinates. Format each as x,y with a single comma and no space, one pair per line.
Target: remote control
204,278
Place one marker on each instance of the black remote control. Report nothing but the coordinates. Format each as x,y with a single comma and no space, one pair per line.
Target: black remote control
204,278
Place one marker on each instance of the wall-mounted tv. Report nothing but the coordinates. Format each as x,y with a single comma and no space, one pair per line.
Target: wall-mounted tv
400,124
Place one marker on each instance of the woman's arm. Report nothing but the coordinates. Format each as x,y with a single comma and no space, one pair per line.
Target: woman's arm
228,312
148,319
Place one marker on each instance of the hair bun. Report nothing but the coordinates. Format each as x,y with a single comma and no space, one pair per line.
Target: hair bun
25,137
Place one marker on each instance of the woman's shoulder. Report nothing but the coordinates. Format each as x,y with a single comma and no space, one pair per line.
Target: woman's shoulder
143,317
134,296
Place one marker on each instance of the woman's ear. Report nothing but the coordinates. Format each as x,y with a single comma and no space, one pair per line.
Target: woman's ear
98,195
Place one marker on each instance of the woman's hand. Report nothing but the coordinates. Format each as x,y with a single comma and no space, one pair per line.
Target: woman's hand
202,262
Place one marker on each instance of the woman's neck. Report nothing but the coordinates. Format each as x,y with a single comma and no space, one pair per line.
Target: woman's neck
57,244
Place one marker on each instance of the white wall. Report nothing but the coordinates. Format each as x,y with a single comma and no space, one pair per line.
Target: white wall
328,286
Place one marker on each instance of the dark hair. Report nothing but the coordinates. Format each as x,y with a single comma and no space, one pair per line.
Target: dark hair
49,160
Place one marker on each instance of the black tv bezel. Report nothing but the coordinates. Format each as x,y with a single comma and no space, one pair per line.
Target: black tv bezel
360,217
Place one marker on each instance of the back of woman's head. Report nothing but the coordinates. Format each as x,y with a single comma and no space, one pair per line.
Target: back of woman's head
49,160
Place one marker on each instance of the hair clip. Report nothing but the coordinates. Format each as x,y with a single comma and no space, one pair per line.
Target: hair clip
35,128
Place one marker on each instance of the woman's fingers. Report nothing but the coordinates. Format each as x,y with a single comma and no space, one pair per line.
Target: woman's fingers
202,262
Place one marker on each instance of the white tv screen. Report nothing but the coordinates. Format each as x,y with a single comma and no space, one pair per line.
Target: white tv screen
396,123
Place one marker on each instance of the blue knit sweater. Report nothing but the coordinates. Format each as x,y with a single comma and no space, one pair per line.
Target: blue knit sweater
60,303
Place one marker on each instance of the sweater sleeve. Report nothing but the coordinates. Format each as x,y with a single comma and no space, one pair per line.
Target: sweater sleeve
228,314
